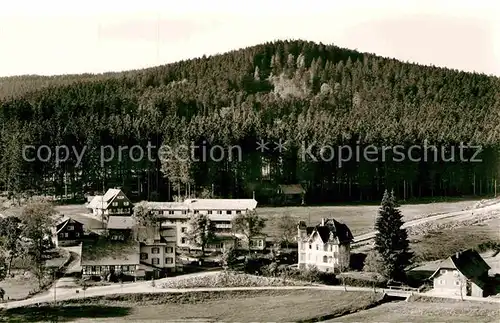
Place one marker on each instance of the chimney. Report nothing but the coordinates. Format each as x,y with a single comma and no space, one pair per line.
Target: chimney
322,222
457,254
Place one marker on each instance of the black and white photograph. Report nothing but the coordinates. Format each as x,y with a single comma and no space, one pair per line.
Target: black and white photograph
250,161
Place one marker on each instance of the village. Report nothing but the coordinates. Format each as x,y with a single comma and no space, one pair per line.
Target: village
110,241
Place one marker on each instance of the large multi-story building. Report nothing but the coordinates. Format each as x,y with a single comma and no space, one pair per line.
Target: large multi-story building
325,246
156,247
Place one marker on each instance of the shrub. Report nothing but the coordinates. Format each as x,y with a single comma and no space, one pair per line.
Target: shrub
229,279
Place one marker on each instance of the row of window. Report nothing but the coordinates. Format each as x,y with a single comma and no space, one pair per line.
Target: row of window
156,251
156,261
326,246
124,203
326,259
171,212
443,282
65,234
105,269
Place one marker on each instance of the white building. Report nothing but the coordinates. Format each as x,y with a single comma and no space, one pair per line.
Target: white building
325,246
175,220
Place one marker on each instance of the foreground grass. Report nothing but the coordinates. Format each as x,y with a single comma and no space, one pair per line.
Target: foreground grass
359,218
233,306
425,312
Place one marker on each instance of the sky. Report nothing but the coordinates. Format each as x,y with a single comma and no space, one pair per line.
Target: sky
66,37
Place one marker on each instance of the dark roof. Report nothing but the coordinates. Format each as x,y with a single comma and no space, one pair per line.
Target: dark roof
292,189
107,252
121,222
469,263
331,228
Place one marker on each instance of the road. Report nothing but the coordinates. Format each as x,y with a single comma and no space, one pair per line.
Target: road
145,287
452,216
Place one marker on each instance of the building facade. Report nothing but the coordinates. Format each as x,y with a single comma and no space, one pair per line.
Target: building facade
325,246
463,274
113,203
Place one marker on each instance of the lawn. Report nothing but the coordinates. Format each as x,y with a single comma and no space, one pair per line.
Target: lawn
426,312
455,239
240,306
23,282
359,218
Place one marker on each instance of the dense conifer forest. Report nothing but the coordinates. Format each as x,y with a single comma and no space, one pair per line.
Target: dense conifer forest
299,92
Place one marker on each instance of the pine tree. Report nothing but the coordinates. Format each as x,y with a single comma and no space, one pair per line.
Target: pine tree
391,240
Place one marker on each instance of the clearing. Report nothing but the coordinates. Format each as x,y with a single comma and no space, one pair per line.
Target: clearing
359,218
252,306
425,312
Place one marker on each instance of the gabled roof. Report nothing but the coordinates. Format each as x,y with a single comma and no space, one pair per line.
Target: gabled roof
97,202
292,189
330,230
121,222
221,204
100,201
467,262
63,223
167,206
110,194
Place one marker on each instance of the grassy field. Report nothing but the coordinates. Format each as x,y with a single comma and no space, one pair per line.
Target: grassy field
23,283
427,312
249,306
359,218
456,239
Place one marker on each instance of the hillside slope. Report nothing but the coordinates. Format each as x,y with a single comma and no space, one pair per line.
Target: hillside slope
296,91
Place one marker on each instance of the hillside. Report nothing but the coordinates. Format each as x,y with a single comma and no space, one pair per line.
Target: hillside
296,91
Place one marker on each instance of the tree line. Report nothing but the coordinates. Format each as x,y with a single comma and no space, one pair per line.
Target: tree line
294,91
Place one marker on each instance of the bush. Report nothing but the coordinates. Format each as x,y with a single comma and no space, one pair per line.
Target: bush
230,279
375,264
312,275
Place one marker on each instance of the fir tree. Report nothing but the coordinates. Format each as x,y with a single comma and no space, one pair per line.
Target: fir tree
391,240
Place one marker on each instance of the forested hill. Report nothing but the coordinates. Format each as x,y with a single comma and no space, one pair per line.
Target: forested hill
296,91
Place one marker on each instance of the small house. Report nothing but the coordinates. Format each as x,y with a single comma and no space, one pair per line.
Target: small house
463,274
67,232
291,194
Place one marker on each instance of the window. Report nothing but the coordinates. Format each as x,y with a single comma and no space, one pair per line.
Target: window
184,212
93,269
115,203
66,234
310,246
238,211
325,259
317,246
155,250
71,228
219,212
171,212
77,234
125,203
325,247
155,261
457,283
210,212
442,271
196,211
120,197
169,249
228,212
183,229
124,268
169,260
441,282
455,273
183,240
144,256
